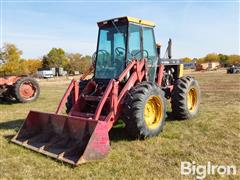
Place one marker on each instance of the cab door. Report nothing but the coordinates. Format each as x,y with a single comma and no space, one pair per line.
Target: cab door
150,51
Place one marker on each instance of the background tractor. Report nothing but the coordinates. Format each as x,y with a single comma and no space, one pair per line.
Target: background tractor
23,89
130,82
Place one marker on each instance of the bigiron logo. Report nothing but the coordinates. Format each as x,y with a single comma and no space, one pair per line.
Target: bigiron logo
201,171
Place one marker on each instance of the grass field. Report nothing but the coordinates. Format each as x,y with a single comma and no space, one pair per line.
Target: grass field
214,135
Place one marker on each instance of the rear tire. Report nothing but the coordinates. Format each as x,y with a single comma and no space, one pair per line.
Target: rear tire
26,90
144,110
185,98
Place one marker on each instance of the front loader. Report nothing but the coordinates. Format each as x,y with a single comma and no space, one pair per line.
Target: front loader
130,82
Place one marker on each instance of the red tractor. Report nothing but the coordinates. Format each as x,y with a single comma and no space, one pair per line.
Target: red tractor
23,89
130,82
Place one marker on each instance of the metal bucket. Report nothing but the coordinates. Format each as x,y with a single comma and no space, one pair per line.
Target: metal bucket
70,139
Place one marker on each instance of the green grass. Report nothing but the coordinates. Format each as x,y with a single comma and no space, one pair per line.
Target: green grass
212,136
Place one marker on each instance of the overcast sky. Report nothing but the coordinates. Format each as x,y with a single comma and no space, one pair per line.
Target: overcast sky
196,27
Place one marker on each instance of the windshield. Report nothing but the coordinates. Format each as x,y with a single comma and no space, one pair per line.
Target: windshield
111,53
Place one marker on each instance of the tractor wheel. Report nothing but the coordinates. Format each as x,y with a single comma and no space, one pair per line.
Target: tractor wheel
69,102
185,98
144,110
26,90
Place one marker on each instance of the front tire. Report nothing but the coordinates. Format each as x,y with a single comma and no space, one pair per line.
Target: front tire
144,110
185,98
26,90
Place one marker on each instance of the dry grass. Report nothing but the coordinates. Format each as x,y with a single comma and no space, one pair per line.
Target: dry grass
212,136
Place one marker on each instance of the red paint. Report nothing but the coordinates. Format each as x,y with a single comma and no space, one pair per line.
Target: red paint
160,74
26,90
9,80
64,98
91,128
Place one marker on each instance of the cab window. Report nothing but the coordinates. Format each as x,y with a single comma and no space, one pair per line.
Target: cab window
149,45
134,43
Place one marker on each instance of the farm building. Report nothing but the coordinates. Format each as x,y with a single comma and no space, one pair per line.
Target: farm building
207,66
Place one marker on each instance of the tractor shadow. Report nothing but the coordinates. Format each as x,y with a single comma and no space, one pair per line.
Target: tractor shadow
170,117
11,125
119,134
8,102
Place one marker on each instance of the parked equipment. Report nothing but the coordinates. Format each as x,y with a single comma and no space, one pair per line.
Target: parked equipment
45,73
130,81
233,70
23,89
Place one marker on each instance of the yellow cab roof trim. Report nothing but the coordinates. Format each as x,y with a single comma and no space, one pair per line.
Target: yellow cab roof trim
134,20
140,21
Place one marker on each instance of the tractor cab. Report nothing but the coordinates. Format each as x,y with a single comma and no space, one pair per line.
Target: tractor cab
121,40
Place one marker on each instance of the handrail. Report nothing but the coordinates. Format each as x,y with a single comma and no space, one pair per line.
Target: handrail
125,72
134,77
64,98
103,100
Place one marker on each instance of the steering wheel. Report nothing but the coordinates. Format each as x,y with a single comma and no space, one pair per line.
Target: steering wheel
120,51
102,51
140,52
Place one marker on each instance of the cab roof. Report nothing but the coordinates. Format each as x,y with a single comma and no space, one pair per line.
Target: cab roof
127,19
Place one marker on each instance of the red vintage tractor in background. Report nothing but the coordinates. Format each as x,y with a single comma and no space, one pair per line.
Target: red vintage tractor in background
22,89
130,82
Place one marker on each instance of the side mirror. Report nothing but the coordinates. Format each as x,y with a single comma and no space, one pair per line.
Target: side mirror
170,48
158,46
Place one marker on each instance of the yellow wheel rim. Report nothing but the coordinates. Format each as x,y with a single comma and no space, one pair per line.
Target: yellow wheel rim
192,99
153,112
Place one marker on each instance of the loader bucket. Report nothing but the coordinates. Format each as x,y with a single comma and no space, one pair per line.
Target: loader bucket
70,139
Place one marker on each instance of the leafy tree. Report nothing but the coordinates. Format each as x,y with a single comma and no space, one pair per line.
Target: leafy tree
223,59
234,60
211,58
10,52
187,60
77,62
14,64
200,60
74,62
32,65
11,57
86,62
55,58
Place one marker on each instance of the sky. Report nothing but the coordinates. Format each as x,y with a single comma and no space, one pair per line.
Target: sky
196,27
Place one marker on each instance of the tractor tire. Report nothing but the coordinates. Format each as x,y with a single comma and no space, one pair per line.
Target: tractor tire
185,98
144,110
69,102
26,90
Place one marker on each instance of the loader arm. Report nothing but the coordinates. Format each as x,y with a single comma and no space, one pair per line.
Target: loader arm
79,138
113,94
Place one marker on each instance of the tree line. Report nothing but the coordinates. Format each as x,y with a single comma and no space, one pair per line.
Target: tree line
13,64
224,60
